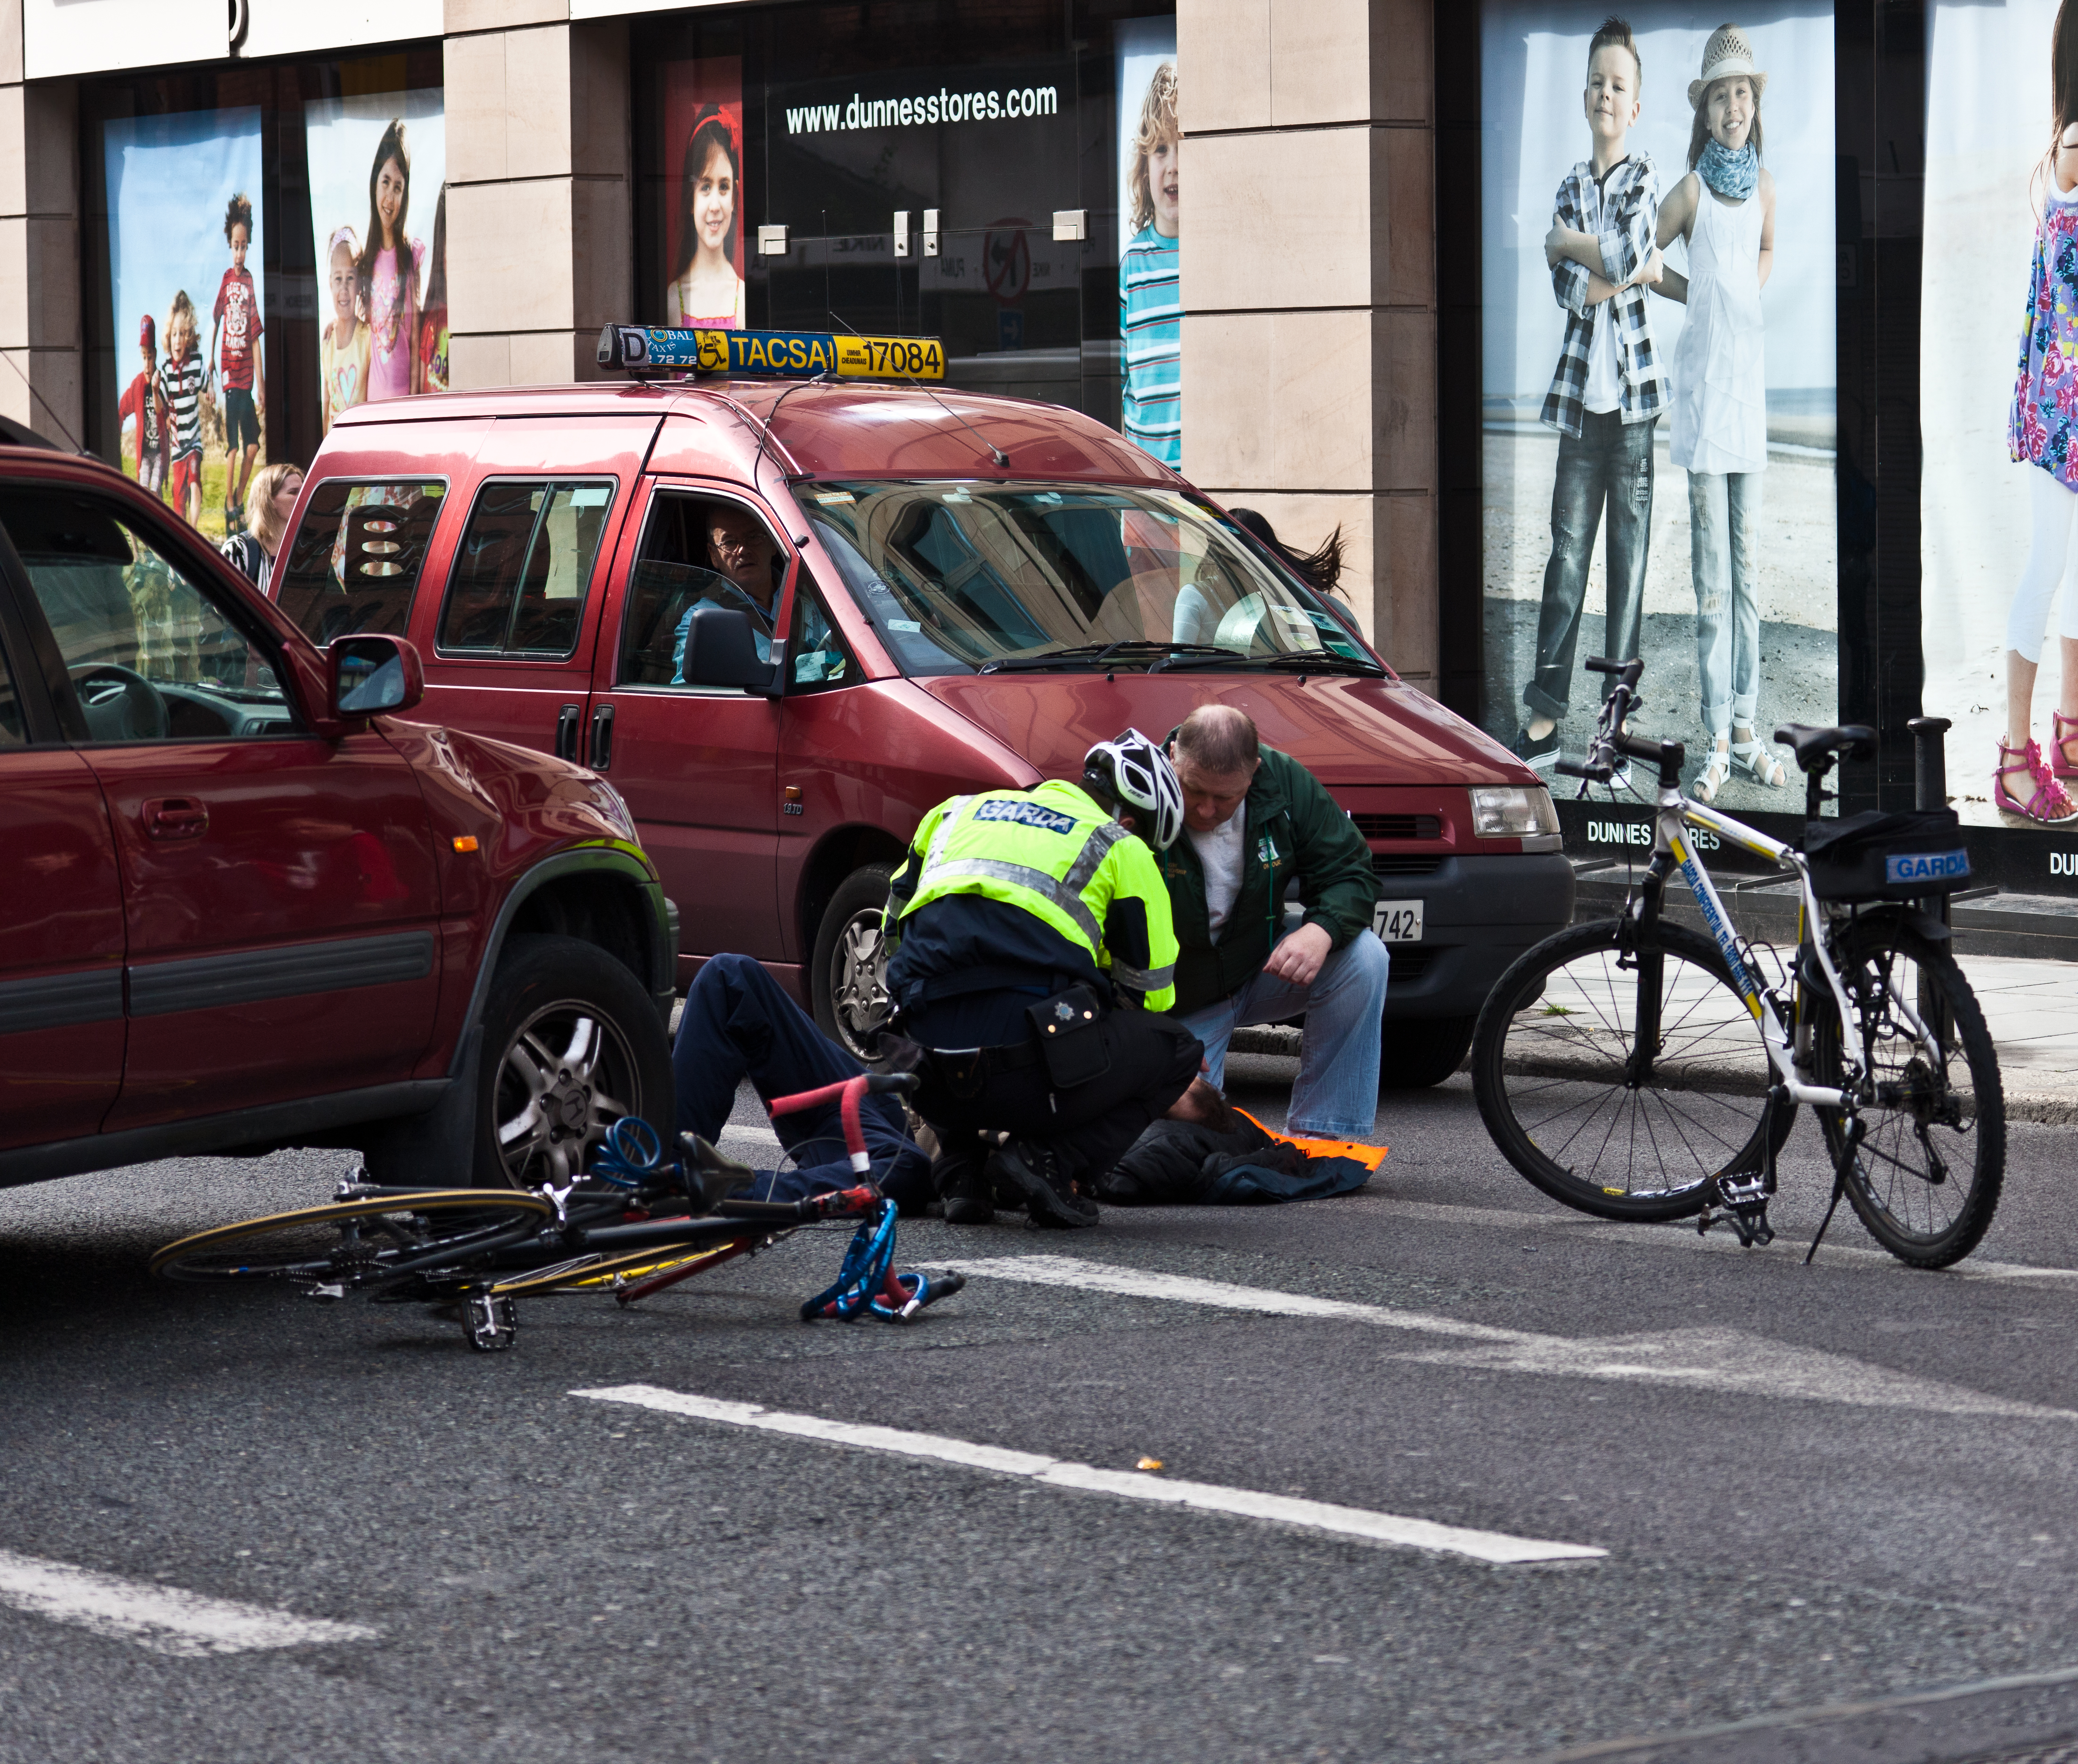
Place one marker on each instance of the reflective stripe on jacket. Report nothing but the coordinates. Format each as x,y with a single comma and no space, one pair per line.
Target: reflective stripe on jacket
1052,853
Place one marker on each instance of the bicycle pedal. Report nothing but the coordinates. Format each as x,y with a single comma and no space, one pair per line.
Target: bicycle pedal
489,1323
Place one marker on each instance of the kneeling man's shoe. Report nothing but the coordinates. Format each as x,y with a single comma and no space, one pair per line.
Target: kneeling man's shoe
967,1198
1034,1172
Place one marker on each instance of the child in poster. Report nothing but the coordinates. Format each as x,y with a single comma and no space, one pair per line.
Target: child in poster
707,288
1606,394
433,328
244,374
145,405
181,377
1151,310
1724,210
389,266
343,348
2040,432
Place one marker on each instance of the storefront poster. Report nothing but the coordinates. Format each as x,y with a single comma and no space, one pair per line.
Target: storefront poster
1150,308
1996,538
704,198
378,223
189,296
1737,634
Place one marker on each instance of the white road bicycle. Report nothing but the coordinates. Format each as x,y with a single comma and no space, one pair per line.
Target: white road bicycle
1635,1070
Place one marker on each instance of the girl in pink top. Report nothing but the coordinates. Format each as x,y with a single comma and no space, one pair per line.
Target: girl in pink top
389,273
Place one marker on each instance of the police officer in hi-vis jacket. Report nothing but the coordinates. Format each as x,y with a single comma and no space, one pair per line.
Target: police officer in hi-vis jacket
1031,952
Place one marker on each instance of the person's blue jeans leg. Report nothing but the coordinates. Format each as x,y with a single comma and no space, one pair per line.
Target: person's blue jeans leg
1578,492
1742,525
738,1023
1335,1095
1710,570
1631,538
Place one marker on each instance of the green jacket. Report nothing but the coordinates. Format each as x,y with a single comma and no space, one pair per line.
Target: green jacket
1295,828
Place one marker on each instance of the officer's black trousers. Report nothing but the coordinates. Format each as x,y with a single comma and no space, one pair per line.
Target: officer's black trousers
1090,1126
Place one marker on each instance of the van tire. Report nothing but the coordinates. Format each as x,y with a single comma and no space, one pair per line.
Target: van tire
1416,1053
848,973
544,991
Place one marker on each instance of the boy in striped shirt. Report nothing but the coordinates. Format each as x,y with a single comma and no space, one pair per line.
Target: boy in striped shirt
181,378
1151,310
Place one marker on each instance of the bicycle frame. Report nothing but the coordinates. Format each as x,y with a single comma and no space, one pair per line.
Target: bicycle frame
1673,815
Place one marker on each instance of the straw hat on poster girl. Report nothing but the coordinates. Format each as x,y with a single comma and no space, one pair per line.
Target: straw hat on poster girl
1726,55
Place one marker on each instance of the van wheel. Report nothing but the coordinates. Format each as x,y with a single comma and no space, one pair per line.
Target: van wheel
848,980
571,1044
1417,1053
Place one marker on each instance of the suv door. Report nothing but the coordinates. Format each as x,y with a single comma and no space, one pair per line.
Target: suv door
511,645
61,914
698,765
280,894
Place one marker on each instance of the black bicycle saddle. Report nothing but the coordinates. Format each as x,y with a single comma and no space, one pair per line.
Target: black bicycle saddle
1811,746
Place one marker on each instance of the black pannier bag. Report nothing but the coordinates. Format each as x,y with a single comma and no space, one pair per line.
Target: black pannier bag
1873,855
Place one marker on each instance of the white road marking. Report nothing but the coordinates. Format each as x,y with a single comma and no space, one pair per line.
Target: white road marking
1714,1359
1130,1485
164,1619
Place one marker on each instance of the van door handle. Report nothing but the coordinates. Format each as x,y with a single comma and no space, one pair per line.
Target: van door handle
602,738
175,817
567,720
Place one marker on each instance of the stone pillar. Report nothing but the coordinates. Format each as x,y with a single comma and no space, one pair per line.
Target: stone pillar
540,190
42,379
1308,285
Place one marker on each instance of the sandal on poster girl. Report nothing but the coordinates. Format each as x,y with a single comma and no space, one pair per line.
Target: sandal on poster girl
2064,762
2046,802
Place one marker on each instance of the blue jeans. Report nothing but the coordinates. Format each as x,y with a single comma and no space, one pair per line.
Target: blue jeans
1335,1096
1724,544
738,1024
1610,461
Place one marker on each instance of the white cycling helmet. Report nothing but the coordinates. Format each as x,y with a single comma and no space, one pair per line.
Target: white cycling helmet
1135,773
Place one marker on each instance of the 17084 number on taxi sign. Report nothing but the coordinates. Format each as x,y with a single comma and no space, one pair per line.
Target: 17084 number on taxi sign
1397,921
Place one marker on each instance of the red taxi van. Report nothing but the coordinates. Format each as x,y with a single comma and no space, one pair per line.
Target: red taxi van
960,591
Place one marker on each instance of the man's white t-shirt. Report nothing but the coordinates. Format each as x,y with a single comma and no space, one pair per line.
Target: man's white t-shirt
1220,852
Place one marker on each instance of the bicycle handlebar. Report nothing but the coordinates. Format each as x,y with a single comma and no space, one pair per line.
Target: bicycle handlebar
838,1203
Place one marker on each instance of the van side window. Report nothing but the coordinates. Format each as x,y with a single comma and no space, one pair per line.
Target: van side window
522,568
354,561
697,552
815,658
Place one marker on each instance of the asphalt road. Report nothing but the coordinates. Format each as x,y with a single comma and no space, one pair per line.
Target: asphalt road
1824,1493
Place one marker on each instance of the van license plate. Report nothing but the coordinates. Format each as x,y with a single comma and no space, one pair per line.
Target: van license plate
1397,921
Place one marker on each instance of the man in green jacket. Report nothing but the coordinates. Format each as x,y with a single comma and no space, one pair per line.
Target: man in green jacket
1253,818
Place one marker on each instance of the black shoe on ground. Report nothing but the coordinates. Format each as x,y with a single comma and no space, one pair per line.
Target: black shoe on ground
968,1199
1033,1171
1540,755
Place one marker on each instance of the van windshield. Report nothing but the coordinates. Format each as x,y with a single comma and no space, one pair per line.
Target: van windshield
994,578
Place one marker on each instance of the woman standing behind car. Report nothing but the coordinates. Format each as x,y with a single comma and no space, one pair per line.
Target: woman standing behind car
270,499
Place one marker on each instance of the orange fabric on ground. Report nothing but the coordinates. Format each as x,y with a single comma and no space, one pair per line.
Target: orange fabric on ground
1370,1156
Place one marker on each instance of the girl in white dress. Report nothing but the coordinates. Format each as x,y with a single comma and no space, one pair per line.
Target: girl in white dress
1724,210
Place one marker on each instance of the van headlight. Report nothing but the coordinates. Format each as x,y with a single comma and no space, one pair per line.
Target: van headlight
1511,810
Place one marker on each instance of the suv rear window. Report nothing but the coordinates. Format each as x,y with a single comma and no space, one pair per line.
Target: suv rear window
354,563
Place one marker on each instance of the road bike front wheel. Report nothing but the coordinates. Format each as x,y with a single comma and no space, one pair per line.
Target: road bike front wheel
1925,1179
356,1243
1571,1107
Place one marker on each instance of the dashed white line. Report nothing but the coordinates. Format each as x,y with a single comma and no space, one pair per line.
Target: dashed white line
164,1619
1729,1360
1130,1485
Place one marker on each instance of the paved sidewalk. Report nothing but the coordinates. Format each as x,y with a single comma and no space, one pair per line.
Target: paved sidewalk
2032,1007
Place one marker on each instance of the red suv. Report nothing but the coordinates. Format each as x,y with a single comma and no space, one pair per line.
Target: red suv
248,907
785,619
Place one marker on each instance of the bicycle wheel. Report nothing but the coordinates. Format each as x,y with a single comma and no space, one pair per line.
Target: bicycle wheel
1551,1068
355,1243
1926,1181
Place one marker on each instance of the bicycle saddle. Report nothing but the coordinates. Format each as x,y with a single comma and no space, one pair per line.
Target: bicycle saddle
1811,746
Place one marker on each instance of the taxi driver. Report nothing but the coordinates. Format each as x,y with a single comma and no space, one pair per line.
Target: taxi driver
740,553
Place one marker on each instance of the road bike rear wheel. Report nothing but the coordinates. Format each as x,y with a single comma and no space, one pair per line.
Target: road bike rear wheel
1552,1068
1926,1177
355,1243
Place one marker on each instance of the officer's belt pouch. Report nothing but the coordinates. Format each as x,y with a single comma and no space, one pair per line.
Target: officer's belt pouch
1066,1026
963,1071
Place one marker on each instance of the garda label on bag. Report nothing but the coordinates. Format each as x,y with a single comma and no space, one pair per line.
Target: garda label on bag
1905,868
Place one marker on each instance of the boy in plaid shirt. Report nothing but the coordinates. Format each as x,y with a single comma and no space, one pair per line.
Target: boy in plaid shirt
1607,395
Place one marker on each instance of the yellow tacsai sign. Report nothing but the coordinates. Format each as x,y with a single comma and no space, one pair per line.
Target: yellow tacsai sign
912,358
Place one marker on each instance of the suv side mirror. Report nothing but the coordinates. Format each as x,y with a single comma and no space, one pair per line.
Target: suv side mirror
372,674
721,650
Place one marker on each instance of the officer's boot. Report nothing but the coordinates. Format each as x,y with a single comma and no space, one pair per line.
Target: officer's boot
1033,1169
962,1184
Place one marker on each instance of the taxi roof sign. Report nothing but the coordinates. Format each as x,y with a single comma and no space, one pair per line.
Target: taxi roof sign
642,350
